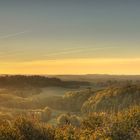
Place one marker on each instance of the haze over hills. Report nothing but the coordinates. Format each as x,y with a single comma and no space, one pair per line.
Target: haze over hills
97,77
50,111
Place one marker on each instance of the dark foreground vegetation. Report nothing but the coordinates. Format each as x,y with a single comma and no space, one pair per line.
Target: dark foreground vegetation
124,125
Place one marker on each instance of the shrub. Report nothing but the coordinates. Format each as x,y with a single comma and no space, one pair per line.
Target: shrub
95,120
67,119
63,119
126,124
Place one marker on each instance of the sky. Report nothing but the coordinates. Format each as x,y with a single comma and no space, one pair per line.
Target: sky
70,37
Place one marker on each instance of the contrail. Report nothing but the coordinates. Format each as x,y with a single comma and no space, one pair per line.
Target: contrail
13,35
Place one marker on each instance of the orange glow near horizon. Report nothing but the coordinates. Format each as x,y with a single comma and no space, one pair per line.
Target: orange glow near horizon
73,66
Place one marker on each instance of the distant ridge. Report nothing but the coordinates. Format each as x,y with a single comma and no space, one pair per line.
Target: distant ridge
100,77
37,81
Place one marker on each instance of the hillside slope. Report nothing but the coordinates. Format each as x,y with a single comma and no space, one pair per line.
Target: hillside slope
113,99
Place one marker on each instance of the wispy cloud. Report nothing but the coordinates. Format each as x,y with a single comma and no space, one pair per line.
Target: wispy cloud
13,35
54,55
80,49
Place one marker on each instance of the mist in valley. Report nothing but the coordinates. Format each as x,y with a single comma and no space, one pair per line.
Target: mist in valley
77,105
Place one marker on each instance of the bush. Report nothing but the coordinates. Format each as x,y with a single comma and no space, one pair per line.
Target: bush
67,119
26,129
63,119
95,121
126,125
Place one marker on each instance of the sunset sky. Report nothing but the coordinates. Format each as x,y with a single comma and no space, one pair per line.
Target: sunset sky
70,37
